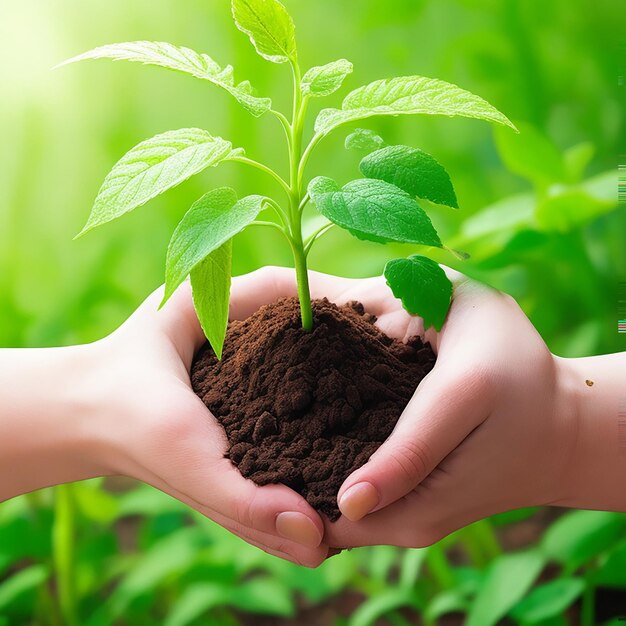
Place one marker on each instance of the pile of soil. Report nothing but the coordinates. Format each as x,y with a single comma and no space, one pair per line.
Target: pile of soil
308,408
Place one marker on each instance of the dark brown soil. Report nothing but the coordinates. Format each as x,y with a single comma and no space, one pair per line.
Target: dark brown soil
307,409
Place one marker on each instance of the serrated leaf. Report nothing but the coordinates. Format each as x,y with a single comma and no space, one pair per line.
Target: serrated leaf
364,140
210,222
413,170
210,285
374,210
154,166
547,601
180,59
508,579
324,80
423,287
269,26
408,95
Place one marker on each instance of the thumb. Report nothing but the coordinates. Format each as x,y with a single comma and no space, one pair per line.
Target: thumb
444,410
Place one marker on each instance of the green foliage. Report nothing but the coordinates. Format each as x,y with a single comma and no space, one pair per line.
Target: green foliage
209,223
414,171
269,27
507,581
153,167
548,601
364,140
423,287
184,60
381,209
326,79
210,284
373,210
408,95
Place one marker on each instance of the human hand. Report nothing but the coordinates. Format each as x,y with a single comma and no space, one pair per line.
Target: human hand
491,428
152,427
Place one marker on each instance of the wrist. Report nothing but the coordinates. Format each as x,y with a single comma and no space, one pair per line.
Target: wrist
596,467
48,430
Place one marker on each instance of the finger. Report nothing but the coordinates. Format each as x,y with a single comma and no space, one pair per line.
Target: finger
277,546
444,410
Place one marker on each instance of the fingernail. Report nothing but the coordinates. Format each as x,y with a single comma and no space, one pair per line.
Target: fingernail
299,528
358,501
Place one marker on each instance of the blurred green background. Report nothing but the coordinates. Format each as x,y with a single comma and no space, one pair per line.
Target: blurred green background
539,217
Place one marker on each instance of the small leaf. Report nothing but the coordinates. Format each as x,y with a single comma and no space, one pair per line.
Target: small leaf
210,222
374,210
413,170
180,59
263,596
210,284
364,140
269,26
423,287
154,166
547,601
380,604
408,95
194,601
325,79
508,579
24,581
530,154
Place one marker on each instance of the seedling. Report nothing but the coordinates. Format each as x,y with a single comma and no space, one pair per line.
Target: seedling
382,206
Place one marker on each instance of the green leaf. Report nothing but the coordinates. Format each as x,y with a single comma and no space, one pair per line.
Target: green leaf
547,601
263,596
154,166
413,170
408,95
508,579
180,59
169,557
374,210
423,287
530,154
364,140
446,601
210,284
579,536
323,80
383,603
569,210
195,601
612,572
210,222
269,26
20,583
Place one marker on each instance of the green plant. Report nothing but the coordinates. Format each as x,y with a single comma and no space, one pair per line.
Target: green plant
380,207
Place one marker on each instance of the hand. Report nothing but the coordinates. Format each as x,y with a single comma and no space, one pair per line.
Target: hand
152,427
490,429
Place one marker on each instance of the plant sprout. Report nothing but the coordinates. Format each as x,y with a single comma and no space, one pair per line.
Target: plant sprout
380,207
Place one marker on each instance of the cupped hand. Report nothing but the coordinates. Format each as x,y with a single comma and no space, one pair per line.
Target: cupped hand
155,429
487,430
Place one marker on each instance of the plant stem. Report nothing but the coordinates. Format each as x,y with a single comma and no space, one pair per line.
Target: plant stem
263,168
295,199
63,533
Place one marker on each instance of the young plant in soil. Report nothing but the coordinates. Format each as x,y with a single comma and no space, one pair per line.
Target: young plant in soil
382,206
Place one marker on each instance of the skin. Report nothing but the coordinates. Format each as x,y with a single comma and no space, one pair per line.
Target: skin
500,423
